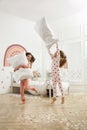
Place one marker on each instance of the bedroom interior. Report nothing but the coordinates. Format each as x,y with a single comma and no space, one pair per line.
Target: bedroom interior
68,21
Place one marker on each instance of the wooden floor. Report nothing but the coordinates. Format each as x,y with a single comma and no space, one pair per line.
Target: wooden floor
38,114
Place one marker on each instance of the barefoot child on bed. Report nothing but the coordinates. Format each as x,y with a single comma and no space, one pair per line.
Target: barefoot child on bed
24,84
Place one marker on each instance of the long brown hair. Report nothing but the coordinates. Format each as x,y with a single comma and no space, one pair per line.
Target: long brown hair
32,58
63,59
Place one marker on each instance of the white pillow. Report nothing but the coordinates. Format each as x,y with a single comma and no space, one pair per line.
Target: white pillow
17,60
22,73
45,32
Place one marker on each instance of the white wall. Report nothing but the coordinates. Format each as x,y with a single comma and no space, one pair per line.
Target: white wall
14,30
5,80
72,34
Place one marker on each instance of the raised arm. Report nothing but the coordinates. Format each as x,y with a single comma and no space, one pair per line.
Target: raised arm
50,53
57,51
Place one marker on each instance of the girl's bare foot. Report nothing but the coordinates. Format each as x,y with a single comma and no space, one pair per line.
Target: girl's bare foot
62,100
53,100
23,101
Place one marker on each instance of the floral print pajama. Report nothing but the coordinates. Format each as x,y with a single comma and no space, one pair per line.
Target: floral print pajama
56,72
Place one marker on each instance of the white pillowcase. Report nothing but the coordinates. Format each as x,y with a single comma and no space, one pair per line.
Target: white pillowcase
22,73
45,32
19,59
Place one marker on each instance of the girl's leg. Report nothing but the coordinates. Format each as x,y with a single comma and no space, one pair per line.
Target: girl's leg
61,90
22,91
34,89
54,90
27,87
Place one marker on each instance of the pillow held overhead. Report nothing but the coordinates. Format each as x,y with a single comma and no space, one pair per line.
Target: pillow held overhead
45,32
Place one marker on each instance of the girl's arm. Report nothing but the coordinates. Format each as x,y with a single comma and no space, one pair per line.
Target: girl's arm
29,65
58,51
21,66
17,68
50,53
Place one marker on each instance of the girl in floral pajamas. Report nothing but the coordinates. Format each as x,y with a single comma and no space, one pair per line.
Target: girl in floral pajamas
56,74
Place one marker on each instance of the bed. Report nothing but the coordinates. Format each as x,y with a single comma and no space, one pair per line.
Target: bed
43,87
38,82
